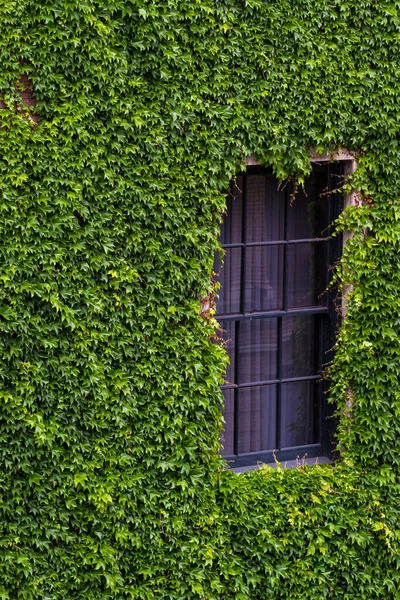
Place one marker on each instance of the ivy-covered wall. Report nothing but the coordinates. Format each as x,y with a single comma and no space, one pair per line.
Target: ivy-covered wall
111,484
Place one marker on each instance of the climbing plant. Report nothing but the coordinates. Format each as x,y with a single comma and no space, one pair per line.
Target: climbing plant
121,124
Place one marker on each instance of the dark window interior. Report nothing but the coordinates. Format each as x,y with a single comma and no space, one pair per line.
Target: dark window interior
277,319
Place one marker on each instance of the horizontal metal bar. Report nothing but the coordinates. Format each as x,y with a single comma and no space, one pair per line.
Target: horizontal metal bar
315,310
275,381
304,378
233,386
237,245
275,243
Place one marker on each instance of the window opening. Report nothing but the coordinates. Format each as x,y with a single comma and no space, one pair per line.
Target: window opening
278,321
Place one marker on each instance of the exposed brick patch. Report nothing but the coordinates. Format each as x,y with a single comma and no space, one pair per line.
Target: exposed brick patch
26,93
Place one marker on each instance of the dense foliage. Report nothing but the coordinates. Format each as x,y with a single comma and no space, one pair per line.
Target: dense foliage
111,193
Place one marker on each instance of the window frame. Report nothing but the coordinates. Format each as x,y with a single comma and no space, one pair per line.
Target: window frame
324,447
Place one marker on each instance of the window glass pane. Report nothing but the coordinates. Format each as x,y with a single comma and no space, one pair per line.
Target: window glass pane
299,342
297,412
265,209
231,229
257,350
264,278
308,213
227,432
307,274
257,419
227,333
228,301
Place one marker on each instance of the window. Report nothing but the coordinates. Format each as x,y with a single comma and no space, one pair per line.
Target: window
277,318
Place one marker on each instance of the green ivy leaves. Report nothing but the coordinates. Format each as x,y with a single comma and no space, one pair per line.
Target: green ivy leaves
110,204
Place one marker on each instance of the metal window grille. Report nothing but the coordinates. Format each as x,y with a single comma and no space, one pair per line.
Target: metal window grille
277,317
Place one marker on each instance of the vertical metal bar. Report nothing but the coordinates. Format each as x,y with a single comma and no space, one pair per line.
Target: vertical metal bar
285,249
242,310
244,239
279,384
319,415
329,185
280,323
236,391
325,326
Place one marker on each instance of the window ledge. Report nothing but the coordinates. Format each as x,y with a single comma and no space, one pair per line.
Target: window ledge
288,464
